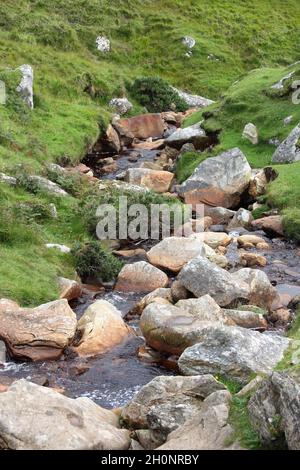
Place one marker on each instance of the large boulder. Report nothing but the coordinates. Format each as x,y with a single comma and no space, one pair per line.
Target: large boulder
162,294
40,333
233,352
201,277
38,418
289,150
192,134
205,309
100,328
260,180
170,329
140,277
209,429
174,252
157,180
274,410
261,292
142,126
25,87
218,181
180,396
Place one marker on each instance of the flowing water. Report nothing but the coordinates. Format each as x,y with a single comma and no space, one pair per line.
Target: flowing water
112,379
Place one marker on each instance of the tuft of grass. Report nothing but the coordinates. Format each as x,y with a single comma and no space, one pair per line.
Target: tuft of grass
239,420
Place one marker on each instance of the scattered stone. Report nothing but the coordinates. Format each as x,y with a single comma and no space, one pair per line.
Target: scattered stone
219,215
25,87
140,277
233,352
212,239
218,181
121,105
242,218
174,252
103,44
142,126
100,328
288,120
161,293
193,101
262,293
10,180
193,134
251,133
38,418
280,85
288,151
247,319
61,248
189,42
53,211
271,225
48,186
254,240
40,333
206,430
250,387
158,181
274,410
202,277
252,259
69,289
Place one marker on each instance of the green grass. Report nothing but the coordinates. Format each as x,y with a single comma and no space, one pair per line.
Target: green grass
292,357
58,39
239,420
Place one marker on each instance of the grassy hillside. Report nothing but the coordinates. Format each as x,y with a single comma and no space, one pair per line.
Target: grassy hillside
58,39
252,99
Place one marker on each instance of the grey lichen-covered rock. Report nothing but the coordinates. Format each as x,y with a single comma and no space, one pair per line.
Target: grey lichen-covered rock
289,150
200,276
218,181
38,418
2,352
280,85
167,402
48,186
10,180
242,218
251,133
204,308
193,101
233,352
207,430
192,134
25,87
274,410
170,329
103,44
121,105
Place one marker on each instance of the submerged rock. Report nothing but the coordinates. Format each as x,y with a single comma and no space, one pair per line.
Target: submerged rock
40,333
38,418
233,352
